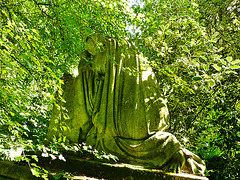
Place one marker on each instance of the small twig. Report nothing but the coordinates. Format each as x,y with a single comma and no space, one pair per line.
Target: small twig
25,68
40,90
43,4
43,12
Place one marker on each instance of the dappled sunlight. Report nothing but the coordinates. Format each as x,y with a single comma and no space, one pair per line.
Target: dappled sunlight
113,74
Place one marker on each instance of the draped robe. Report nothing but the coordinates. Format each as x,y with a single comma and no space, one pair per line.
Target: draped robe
115,105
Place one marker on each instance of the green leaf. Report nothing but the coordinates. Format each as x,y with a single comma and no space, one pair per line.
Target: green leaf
27,159
229,58
35,157
45,154
35,172
12,114
204,58
35,31
205,67
168,32
35,165
173,18
29,47
45,176
18,158
223,62
217,67
236,61
56,177
52,156
235,67
211,83
221,49
197,78
238,105
229,72
185,49
61,157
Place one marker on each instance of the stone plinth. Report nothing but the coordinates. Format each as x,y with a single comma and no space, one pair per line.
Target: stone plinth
85,168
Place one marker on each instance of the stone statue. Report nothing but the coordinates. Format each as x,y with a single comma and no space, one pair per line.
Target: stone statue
114,105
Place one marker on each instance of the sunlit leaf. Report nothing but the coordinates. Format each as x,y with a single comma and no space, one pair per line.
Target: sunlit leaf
217,67
52,156
173,18
234,67
229,59
12,114
211,83
223,62
35,172
204,58
35,157
184,47
61,157
235,62
45,154
233,72
220,49
18,158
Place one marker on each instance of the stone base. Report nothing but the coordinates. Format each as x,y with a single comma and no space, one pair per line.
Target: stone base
84,169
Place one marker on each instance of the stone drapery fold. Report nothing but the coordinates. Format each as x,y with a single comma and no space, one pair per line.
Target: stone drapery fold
114,105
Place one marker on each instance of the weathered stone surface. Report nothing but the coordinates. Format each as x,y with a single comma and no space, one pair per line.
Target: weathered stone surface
86,169
14,171
115,105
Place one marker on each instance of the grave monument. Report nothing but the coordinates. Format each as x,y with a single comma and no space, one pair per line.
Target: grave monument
115,105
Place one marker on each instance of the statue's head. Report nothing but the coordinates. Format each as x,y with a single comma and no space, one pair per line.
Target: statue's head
96,43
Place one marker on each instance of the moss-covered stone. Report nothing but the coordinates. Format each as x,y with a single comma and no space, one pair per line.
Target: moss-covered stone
82,167
12,170
115,105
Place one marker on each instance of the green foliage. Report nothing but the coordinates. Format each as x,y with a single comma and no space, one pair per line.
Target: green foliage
219,134
193,47
25,77
39,42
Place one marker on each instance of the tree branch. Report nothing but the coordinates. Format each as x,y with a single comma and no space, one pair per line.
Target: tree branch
43,12
25,68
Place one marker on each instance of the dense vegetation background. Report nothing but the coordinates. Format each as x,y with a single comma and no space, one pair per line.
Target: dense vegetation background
193,46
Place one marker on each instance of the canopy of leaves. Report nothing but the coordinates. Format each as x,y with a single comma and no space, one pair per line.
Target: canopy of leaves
193,47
